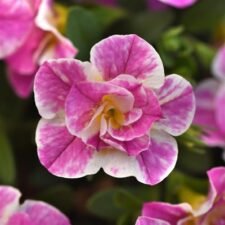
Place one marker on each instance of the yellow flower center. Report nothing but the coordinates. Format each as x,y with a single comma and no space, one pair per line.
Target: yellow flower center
111,112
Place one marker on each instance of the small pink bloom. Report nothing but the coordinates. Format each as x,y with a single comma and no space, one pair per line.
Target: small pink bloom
117,112
210,100
178,3
29,213
210,212
29,37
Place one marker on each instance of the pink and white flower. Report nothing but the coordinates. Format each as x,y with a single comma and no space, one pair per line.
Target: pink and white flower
212,211
210,101
178,3
29,213
156,4
29,36
117,112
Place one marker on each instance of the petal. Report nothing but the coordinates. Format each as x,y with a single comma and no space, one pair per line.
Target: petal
177,101
158,161
24,60
216,193
205,93
220,109
135,87
214,138
61,153
128,54
142,220
117,163
15,22
218,65
217,181
20,218
43,214
179,3
151,112
133,147
9,202
62,48
21,84
53,82
166,212
81,104
46,21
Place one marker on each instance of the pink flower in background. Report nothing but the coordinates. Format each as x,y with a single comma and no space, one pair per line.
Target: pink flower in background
210,100
117,112
178,3
29,36
29,213
209,212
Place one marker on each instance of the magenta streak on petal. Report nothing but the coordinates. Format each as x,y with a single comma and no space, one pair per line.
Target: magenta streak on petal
132,148
54,77
166,212
126,54
82,104
60,152
20,218
159,160
43,214
177,101
151,113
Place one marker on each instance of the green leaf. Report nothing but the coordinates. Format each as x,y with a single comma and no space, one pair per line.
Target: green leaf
179,181
107,15
83,29
60,196
150,25
7,164
203,16
113,204
103,205
205,54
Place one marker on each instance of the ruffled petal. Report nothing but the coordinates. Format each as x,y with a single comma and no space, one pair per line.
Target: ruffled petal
159,160
53,77
143,220
177,101
166,212
220,109
132,147
41,213
151,112
128,54
15,22
9,202
218,65
205,94
84,99
61,153
179,3
22,84
62,47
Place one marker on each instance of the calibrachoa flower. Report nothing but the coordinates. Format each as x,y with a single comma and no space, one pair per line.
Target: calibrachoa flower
210,112
210,212
117,112
29,36
29,213
178,3
156,4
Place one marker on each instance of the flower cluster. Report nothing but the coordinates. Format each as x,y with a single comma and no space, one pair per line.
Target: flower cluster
117,112
29,213
211,211
29,36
